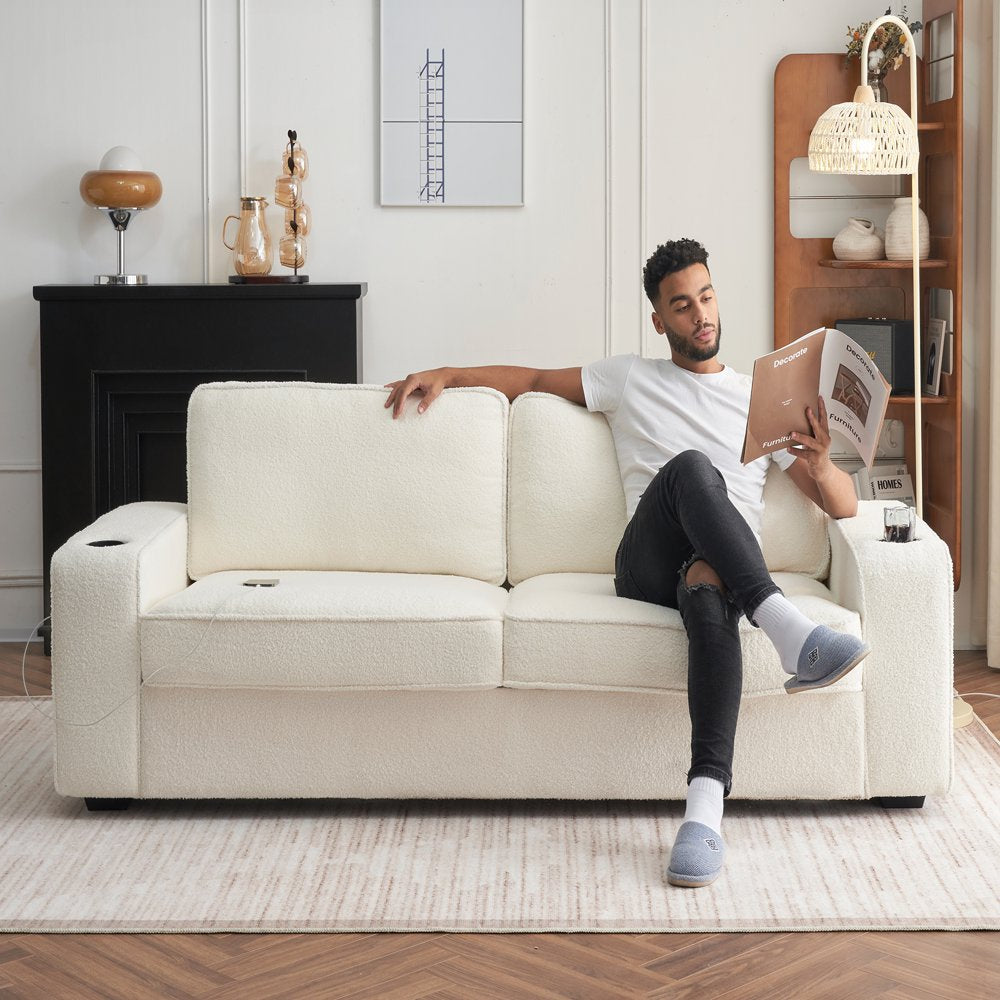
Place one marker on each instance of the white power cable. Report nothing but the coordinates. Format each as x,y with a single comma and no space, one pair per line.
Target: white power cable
222,607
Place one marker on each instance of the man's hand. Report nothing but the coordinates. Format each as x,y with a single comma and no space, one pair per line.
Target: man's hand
814,473
815,449
427,384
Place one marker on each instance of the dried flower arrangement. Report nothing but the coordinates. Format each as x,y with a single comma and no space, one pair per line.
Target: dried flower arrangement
887,47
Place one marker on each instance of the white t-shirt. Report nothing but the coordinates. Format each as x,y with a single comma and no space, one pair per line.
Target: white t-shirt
656,410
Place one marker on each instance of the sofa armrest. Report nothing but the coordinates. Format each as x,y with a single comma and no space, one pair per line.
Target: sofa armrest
98,593
905,597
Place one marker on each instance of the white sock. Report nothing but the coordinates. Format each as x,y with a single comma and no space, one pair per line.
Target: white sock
704,802
786,627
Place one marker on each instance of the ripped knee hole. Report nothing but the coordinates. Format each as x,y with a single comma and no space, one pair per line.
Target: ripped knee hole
700,575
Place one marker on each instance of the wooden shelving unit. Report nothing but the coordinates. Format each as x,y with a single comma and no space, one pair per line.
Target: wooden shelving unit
813,289
903,265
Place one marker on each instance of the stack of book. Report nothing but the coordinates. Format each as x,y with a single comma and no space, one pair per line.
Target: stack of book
885,482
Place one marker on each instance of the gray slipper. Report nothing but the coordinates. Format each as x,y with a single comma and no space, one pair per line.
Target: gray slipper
826,657
697,856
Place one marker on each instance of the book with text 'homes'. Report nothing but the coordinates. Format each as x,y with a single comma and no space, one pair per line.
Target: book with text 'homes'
824,363
889,482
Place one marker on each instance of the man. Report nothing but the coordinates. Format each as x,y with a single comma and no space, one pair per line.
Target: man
692,541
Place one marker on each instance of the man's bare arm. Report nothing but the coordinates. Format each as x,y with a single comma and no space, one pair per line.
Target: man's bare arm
832,492
512,381
812,471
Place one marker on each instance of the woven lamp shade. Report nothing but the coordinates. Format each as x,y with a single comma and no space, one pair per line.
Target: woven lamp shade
863,137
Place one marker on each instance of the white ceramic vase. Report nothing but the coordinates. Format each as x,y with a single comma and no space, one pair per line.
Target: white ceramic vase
899,232
859,240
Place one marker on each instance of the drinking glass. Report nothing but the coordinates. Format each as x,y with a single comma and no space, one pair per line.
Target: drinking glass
899,524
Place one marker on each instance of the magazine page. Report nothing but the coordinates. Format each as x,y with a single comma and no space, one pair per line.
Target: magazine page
855,391
785,382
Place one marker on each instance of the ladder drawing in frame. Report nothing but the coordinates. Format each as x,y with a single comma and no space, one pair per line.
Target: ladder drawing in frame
432,129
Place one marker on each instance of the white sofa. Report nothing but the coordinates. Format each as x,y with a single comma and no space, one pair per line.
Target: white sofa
446,625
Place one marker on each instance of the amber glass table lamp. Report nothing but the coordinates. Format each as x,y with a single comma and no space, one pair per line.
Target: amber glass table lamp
120,187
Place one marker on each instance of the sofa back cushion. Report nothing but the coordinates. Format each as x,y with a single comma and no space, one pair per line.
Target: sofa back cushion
565,503
566,507
794,532
314,476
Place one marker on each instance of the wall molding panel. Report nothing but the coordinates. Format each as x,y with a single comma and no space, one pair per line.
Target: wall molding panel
206,133
643,171
625,209
242,49
11,579
223,127
608,187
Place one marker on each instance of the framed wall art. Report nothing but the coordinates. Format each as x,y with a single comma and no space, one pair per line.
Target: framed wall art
451,77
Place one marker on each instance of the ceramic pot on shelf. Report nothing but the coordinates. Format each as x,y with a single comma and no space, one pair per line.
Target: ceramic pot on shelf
899,235
859,240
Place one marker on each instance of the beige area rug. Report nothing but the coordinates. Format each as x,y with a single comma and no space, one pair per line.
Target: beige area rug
479,865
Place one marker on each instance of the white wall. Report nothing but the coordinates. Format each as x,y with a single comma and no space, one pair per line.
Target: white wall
68,95
645,120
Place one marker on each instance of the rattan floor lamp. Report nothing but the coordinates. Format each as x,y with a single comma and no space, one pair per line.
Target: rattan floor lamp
864,136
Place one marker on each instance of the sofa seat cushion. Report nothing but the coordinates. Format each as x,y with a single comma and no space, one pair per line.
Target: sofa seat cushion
570,631
325,629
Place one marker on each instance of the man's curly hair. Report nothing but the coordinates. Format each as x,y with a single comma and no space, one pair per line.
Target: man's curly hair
668,258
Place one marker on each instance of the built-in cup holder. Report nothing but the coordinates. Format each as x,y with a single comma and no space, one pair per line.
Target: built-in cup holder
107,541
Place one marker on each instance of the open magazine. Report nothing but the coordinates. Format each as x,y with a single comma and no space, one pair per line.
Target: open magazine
823,363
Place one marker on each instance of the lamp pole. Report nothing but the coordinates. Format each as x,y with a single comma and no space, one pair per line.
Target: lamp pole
918,387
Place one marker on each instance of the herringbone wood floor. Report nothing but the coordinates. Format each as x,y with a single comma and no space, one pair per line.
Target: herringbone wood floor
832,966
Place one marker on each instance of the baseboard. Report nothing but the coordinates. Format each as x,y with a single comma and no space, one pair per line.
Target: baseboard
17,635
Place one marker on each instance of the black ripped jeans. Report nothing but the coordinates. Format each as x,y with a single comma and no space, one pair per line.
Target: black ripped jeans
685,515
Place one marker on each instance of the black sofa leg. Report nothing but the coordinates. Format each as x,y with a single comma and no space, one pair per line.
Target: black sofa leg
904,802
102,805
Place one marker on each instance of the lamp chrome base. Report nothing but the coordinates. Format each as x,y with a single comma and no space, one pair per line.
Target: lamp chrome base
120,219
120,279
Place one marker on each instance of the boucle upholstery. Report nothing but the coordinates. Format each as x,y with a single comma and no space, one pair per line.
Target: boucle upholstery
232,743
98,594
567,630
304,475
327,630
795,532
565,503
905,598
384,674
566,506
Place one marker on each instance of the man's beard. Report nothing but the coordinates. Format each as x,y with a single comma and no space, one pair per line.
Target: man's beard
690,350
